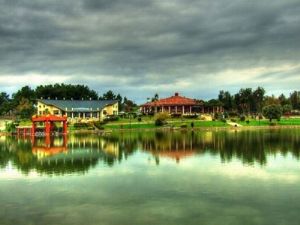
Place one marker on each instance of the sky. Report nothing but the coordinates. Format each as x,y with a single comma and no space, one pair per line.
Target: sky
141,47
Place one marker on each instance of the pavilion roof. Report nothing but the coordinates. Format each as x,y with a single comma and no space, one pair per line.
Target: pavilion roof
173,100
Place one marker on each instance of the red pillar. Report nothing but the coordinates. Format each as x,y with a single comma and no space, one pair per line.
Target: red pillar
33,128
47,128
65,127
47,140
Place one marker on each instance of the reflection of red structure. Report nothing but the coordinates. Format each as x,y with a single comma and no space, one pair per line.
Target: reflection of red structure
49,121
177,155
48,149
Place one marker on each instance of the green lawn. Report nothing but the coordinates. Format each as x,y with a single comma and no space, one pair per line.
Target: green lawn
282,122
171,123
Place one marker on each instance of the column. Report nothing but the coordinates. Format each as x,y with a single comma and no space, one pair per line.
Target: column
65,127
33,129
170,109
190,109
183,109
176,109
47,127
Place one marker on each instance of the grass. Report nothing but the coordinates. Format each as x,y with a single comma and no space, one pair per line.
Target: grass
282,122
175,123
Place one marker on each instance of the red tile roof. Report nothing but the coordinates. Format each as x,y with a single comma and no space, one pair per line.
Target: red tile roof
173,100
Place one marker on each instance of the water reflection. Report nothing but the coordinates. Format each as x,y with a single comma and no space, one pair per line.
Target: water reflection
79,153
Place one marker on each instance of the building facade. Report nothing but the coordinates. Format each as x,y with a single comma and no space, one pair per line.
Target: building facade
177,104
78,109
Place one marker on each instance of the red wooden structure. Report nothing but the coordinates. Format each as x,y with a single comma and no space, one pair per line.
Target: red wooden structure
49,121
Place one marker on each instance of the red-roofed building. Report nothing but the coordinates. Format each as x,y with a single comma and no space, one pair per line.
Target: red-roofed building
176,105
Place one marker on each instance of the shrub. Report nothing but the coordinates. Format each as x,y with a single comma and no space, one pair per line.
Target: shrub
226,115
183,126
10,127
192,124
175,115
247,121
233,114
139,119
159,122
242,118
233,120
192,116
223,120
99,125
111,118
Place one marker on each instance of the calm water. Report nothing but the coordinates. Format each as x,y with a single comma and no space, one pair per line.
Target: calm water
224,177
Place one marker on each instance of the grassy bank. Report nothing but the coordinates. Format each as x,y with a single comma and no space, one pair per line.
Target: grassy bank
282,122
149,123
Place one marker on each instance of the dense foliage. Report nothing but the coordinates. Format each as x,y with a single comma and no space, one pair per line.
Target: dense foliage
22,103
246,101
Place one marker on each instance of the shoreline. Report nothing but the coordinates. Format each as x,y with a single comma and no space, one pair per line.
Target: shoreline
109,131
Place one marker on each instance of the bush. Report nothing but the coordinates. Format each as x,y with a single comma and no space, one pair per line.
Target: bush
80,125
139,119
233,120
175,115
247,121
111,118
10,127
159,122
192,116
223,120
233,114
183,126
242,118
192,124
272,124
99,125
226,115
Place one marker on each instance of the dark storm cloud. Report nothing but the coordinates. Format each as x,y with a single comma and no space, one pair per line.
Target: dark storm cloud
152,46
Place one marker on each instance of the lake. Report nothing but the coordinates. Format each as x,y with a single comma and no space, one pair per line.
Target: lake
203,177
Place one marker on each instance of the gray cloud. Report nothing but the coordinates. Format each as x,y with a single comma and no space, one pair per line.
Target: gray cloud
140,47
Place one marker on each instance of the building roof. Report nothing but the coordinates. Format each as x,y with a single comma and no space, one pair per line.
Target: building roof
173,100
78,105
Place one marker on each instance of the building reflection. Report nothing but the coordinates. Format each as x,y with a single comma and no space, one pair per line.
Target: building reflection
80,153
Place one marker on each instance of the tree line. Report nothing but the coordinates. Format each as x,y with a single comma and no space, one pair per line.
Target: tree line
22,102
246,101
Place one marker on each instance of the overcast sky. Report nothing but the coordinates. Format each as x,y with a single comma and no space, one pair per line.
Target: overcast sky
140,47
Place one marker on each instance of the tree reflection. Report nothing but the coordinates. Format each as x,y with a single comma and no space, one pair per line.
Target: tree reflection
80,153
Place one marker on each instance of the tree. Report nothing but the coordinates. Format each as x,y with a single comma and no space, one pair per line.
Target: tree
65,91
284,100
258,98
287,108
25,92
25,108
109,95
5,105
271,100
226,99
295,99
245,99
155,98
272,112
